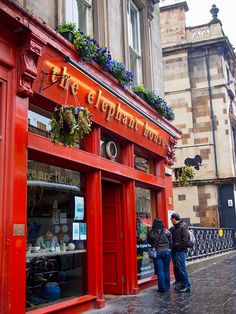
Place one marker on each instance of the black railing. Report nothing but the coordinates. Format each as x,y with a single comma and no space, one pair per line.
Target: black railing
210,241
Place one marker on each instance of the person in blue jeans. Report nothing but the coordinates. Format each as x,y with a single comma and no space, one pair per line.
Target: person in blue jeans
179,233
160,238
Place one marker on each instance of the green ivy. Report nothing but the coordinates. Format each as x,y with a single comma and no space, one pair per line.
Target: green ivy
184,174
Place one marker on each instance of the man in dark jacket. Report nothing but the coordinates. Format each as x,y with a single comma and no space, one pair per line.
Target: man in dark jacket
180,237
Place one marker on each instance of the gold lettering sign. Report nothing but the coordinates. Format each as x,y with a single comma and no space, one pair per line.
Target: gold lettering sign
110,110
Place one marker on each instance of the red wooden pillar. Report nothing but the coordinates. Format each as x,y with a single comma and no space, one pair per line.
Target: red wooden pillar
92,142
130,260
94,241
162,206
94,222
18,220
14,208
129,219
127,155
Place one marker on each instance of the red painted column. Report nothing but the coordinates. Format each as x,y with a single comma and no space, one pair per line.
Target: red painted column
94,231
162,206
129,219
15,191
94,221
92,142
127,155
19,218
159,168
130,250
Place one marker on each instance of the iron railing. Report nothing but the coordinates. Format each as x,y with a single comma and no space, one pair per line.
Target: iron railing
210,241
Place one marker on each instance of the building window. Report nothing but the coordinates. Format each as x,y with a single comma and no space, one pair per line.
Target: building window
143,160
56,266
39,122
144,217
135,42
80,13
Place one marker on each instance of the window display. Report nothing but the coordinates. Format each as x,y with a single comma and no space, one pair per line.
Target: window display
56,235
143,223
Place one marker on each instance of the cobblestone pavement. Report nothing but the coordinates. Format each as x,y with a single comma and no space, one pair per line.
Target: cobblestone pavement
213,292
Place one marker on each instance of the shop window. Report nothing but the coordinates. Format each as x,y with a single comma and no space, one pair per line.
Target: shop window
134,42
56,235
143,223
142,164
39,122
143,161
110,149
80,13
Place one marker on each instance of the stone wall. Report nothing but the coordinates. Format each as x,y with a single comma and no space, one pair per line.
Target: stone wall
173,24
45,9
197,203
186,52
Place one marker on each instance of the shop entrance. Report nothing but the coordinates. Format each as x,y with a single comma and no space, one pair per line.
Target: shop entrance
112,238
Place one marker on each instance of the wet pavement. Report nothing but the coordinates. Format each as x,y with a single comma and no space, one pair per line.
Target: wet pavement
213,292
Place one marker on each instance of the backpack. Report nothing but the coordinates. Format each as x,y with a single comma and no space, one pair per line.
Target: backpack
191,240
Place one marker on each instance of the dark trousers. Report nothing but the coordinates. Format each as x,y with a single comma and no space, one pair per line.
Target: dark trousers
180,270
162,268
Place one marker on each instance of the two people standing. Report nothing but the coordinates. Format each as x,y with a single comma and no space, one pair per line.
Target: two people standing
170,243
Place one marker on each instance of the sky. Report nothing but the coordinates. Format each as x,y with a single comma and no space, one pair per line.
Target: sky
199,13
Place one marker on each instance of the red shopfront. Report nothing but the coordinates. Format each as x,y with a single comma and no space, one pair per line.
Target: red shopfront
114,179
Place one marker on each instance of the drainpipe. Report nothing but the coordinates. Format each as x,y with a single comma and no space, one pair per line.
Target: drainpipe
213,132
211,111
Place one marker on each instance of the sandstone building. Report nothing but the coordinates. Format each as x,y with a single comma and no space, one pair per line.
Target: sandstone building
199,80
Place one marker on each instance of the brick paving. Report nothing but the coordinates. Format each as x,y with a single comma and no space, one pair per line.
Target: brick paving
213,292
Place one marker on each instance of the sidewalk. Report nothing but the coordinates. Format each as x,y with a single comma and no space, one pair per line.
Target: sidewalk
213,291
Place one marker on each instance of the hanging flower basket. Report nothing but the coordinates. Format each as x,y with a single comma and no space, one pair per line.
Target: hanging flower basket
183,175
70,124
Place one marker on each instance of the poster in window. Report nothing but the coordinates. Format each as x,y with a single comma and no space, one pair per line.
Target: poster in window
76,235
170,212
145,264
63,218
79,208
82,231
56,216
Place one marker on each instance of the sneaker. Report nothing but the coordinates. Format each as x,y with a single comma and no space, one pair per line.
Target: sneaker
182,290
177,286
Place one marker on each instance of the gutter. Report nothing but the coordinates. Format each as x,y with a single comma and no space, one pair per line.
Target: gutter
211,111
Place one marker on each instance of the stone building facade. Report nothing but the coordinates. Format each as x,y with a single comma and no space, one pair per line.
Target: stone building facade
109,23
199,80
